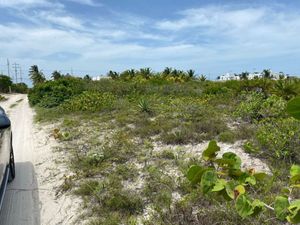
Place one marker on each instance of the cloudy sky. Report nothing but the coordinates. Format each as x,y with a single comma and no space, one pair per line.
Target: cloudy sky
94,36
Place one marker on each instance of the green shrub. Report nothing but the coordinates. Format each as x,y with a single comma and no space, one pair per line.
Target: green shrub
53,93
273,106
227,137
90,101
250,106
280,138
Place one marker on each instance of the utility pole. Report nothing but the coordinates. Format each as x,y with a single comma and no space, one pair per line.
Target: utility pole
16,66
8,69
21,74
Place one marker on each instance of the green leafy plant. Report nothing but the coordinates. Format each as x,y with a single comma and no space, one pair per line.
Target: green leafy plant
224,177
293,108
144,106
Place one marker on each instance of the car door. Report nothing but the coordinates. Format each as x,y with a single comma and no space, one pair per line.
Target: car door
5,133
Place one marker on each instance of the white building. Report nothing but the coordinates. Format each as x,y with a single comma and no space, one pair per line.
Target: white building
255,75
229,76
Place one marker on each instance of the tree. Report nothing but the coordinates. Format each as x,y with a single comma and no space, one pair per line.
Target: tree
191,73
5,83
267,73
87,77
20,88
244,75
202,77
167,71
56,75
36,76
145,73
113,75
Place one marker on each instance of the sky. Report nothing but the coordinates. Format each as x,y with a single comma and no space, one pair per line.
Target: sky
212,37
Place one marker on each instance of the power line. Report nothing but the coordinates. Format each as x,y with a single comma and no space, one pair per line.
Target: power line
8,69
15,67
21,74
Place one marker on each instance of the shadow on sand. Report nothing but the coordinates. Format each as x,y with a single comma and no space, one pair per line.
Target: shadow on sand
21,201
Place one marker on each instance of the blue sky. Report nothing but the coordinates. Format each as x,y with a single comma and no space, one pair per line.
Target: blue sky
93,36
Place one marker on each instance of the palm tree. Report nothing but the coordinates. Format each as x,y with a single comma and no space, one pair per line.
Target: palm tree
267,73
36,76
113,75
191,73
286,89
244,75
56,75
87,77
167,71
202,78
146,72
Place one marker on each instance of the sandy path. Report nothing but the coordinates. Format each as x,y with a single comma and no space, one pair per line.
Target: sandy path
30,199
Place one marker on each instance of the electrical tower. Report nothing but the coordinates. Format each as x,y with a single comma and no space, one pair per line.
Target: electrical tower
16,67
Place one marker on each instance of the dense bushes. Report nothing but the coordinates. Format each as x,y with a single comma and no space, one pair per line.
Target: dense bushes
5,83
280,138
53,93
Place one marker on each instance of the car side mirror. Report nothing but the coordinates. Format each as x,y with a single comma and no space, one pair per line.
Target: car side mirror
4,122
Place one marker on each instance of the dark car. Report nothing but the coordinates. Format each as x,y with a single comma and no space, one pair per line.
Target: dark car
7,163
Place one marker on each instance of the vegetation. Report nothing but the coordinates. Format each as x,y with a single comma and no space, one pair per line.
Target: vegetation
6,85
132,139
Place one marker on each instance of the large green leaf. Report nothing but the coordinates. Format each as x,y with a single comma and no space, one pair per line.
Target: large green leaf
211,151
294,212
281,207
219,186
295,174
293,108
208,181
257,206
250,180
235,161
295,170
195,173
243,206
230,190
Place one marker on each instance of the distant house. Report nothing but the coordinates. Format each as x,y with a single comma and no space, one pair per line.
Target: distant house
278,76
252,76
229,76
255,75
100,77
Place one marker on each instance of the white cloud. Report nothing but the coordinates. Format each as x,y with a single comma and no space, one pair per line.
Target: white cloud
218,17
21,4
232,37
61,19
87,2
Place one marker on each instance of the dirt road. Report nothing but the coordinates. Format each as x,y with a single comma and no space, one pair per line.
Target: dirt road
30,199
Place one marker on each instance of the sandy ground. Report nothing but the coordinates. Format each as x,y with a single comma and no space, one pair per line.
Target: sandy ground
31,198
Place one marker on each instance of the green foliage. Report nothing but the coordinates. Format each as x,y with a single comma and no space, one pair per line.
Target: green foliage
36,76
293,108
273,106
224,177
281,207
53,93
211,151
227,137
280,138
90,101
287,89
144,106
294,212
244,206
20,88
5,83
